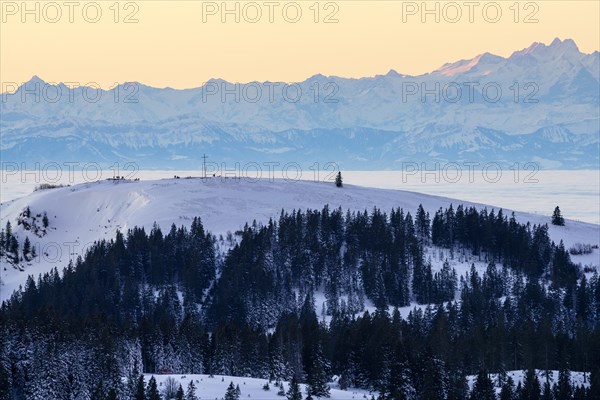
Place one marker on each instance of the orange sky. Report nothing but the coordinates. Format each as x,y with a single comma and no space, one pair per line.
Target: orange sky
184,43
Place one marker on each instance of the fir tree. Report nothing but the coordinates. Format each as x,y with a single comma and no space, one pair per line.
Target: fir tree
26,248
580,393
179,395
317,376
400,385
422,223
563,389
281,391
4,383
294,392
140,390
231,393
531,386
14,248
557,218
483,389
547,392
595,380
190,393
507,392
7,236
434,379
338,180
152,390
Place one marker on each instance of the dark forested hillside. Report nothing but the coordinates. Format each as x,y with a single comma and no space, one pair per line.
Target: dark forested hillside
178,303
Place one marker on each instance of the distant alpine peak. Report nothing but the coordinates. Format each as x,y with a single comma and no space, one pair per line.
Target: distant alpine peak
567,43
35,80
557,48
458,67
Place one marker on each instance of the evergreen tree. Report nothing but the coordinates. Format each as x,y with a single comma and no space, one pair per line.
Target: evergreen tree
531,386
547,392
317,374
281,391
179,395
190,393
140,391
338,180
231,393
557,218
26,248
434,379
508,390
7,235
595,382
422,224
563,389
458,388
400,386
4,383
580,393
294,392
45,220
483,389
152,390
14,248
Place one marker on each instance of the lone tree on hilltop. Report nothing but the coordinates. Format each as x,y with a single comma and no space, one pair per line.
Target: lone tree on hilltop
557,218
338,180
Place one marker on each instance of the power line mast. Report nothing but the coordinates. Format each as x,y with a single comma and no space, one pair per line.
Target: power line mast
204,157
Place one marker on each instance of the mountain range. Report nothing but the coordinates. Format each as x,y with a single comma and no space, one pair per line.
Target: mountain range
541,104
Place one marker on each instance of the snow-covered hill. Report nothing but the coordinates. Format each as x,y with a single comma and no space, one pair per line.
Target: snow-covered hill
83,213
540,104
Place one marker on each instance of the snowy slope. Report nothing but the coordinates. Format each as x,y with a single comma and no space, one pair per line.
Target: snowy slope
208,388
577,378
214,387
83,213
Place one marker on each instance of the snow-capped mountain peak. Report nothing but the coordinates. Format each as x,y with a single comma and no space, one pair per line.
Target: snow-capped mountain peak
542,87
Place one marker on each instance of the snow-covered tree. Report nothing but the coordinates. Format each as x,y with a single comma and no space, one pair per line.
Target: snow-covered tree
294,392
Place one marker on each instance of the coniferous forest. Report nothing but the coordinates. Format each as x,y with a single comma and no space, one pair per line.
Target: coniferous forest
188,302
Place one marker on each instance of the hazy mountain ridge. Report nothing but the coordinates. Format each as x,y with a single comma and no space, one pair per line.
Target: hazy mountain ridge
547,111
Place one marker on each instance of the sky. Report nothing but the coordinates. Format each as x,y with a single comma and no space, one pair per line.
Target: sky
182,44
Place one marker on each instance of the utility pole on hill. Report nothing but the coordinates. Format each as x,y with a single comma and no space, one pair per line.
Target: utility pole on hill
204,157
